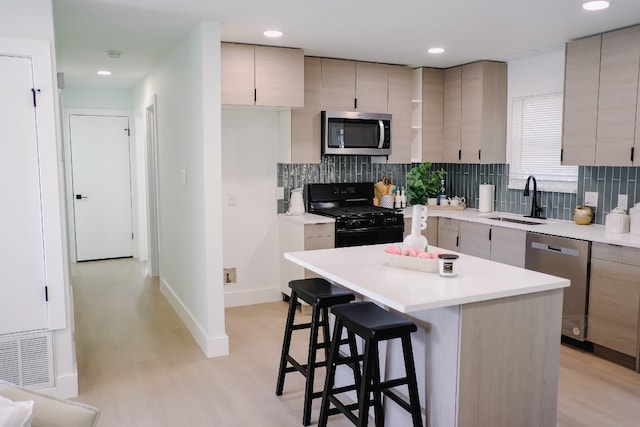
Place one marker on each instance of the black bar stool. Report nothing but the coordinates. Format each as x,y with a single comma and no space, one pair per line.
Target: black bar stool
320,295
373,324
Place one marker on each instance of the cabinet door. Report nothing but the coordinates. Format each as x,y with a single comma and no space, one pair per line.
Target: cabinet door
237,71
431,232
432,115
471,112
448,233
508,246
400,107
338,85
279,76
452,114
305,121
618,96
581,81
614,303
474,239
493,141
372,82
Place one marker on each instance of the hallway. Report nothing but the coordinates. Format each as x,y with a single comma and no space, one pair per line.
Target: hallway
138,363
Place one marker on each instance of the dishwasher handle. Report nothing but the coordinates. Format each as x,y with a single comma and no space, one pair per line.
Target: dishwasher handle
555,249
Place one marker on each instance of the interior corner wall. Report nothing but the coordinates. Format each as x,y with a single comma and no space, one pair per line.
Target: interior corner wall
249,175
33,20
186,83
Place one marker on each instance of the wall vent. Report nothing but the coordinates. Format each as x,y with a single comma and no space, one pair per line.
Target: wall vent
27,359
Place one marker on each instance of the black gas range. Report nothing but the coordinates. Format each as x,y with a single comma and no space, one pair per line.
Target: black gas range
358,221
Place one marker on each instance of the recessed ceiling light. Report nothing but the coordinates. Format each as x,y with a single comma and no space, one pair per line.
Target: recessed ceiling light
595,5
104,73
273,33
436,50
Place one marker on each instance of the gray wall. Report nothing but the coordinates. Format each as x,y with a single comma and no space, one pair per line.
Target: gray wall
464,179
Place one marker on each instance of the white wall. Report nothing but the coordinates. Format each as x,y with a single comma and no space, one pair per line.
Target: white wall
187,84
93,97
250,155
33,19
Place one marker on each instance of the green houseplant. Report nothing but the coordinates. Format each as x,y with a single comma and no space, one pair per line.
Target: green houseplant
423,183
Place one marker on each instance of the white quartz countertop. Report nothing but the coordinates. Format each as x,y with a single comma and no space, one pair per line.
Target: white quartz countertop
364,270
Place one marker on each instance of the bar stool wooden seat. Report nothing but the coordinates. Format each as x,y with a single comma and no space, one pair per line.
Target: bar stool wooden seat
374,325
320,295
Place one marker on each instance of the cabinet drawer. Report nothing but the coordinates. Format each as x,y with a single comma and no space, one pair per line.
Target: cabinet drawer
621,254
319,230
448,224
319,242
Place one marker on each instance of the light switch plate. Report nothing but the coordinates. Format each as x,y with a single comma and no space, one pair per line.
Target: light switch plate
591,198
232,199
622,201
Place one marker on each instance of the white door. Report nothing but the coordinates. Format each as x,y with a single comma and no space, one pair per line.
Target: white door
22,270
101,186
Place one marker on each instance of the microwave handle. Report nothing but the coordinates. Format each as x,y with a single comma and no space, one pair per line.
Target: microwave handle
380,133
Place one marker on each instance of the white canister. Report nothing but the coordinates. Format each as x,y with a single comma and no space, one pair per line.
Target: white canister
447,265
634,219
617,221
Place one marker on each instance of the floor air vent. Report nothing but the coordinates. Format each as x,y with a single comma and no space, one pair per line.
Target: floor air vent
27,359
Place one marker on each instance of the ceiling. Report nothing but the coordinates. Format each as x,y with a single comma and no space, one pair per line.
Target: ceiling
395,32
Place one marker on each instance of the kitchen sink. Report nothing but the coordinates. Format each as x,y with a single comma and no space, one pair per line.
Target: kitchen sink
515,220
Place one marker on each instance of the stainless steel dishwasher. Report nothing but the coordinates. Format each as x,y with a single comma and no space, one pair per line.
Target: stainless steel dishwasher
567,258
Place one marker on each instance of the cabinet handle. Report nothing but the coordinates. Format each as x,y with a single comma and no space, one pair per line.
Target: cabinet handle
457,241
632,153
561,155
479,154
490,234
459,154
255,95
355,103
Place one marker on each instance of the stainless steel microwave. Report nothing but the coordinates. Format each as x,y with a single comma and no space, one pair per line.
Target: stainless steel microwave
355,133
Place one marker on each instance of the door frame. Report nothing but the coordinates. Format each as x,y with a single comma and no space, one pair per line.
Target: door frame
152,190
69,173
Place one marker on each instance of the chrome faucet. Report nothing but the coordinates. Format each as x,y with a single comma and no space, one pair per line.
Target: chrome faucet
536,211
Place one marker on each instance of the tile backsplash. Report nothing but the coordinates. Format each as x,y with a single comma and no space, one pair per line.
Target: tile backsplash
464,180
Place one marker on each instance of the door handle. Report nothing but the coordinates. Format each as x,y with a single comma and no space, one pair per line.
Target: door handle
80,196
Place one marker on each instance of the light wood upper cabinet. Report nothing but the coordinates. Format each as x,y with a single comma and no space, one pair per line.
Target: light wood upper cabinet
262,75
618,96
400,107
372,83
452,114
237,69
475,113
338,85
582,79
305,121
433,115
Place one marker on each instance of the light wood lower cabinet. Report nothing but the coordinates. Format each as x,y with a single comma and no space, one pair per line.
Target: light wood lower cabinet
431,232
448,231
501,244
614,299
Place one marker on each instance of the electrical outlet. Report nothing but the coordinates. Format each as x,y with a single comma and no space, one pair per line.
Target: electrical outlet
591,198
183,176
622,201
229,276
232,199
279,193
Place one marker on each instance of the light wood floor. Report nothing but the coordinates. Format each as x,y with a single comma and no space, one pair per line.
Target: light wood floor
138,364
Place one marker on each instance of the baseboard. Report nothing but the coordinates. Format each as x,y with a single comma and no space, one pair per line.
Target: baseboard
254,296
66,387
210,346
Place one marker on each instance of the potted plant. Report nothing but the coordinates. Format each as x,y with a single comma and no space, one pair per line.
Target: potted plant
423,184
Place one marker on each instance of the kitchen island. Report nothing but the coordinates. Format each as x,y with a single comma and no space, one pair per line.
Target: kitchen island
488,343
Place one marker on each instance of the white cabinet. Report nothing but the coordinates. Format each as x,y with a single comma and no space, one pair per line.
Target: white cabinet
614,300
501,244
261,75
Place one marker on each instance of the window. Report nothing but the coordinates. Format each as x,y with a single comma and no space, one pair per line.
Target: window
536,141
